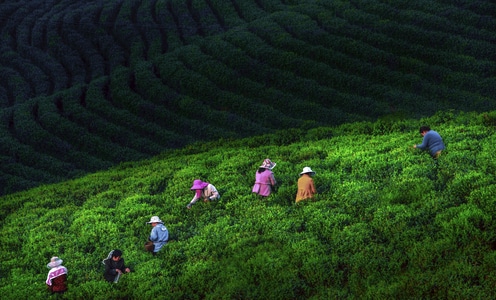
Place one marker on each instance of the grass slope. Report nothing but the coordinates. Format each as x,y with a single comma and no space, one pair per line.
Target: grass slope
387,223
86,85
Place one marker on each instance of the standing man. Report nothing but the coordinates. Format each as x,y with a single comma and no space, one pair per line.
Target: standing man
432,142
159,235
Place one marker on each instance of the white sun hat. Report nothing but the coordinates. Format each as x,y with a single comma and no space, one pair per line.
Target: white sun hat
155,219
307,170
54,262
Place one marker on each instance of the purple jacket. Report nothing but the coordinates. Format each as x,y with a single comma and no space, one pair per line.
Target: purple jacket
264,182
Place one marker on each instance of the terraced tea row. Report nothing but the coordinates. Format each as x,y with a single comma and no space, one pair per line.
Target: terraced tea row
85,85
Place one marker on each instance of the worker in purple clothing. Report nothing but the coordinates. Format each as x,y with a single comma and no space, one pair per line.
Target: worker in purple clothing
264,179
432,142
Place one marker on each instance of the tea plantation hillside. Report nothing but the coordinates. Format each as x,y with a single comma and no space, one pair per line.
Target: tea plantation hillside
388,221
86,85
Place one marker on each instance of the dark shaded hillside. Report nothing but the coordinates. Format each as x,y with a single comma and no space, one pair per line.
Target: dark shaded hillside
86,85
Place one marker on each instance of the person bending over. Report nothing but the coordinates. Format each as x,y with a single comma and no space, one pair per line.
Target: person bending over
431,142
114,266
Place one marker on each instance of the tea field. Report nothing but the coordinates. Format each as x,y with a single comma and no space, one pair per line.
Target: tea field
388,221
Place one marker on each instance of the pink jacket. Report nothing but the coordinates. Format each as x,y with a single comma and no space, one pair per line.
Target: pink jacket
264,182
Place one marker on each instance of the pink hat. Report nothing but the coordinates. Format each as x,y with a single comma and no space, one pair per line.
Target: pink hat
199,185
267,164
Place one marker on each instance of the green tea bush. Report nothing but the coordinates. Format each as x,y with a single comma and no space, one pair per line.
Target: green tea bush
482,198
380,224
388,221
249,11
226,13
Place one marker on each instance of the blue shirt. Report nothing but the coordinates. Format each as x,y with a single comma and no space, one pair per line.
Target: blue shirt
432,141
159,236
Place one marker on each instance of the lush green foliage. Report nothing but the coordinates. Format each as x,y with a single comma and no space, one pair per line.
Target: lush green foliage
88,84
388,222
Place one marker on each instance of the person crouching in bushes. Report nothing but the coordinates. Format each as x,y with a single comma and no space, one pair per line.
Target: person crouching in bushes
57,276
264,179
114,266
203,190
431,141
306,187
158,236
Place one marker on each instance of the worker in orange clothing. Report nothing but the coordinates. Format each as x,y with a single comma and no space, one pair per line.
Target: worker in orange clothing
306,187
